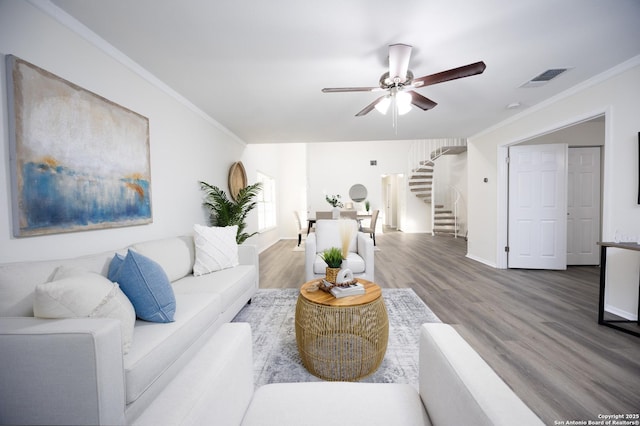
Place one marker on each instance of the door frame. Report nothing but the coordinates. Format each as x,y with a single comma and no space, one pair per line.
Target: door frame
502,228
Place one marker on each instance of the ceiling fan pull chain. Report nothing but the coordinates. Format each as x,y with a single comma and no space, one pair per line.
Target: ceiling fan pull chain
394,113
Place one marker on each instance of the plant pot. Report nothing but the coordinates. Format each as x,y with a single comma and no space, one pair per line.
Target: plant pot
335,213
332,273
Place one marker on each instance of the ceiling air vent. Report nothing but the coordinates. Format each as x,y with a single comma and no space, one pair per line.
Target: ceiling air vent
544,77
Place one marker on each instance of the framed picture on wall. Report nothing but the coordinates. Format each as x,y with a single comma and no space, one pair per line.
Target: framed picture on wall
78,161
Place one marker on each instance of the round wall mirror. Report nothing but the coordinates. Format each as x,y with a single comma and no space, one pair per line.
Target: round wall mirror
358,193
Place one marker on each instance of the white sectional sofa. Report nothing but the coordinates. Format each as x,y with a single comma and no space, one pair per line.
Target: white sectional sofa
198,370
456,388
73,371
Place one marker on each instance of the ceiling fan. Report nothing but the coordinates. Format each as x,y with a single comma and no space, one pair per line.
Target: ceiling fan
399,83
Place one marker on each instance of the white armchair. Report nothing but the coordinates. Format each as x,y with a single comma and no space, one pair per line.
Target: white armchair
360,258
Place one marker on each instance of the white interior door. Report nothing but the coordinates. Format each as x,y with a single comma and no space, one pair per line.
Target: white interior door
583,210
538,206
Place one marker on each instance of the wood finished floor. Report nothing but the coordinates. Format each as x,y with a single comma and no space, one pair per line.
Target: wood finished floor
537,329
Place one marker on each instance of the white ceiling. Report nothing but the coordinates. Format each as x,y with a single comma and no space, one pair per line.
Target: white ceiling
257,67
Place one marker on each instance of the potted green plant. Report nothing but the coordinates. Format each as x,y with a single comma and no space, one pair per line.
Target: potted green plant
226,212
367,205
333,258
334,200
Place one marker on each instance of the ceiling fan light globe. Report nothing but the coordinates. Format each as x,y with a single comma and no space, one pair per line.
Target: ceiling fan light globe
403,102
383,105
403,109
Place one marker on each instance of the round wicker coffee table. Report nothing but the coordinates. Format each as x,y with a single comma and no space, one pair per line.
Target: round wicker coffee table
341,339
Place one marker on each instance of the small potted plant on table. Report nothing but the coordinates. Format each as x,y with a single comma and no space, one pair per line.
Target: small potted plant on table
333,259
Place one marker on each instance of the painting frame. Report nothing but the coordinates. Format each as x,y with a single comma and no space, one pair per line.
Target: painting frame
78,161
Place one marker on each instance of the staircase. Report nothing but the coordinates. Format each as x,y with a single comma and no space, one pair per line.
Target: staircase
421,181
444,199
444,221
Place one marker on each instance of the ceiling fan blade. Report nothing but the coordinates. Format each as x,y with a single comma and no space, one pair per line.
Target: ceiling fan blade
420,101
452,74
399,55
369,108
349,89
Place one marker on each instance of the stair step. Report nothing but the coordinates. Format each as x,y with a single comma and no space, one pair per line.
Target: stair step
449,150
421,177
421,190
423,170
428,184
444,230
444,216
441,224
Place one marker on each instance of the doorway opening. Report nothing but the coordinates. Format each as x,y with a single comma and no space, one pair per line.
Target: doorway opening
584,138
393,204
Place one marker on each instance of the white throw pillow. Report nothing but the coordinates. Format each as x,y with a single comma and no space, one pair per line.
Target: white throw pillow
216,248
73,293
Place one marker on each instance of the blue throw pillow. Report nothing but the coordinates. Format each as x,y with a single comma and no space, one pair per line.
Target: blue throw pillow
146,285
114,267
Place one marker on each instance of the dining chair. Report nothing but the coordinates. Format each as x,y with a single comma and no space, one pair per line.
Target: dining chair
301,230
349,214
371,229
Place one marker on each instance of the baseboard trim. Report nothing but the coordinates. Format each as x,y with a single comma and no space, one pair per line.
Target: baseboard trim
620,312
481,260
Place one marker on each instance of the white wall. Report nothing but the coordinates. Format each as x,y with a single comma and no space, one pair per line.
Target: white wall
589,133
614,94
286,163
185,145
332,168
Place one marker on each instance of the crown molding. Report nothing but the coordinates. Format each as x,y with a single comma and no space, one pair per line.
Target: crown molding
53,11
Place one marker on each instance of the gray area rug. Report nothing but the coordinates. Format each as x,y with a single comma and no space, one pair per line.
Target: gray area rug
271,315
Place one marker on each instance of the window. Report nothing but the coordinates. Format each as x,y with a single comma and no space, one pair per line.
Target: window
266,203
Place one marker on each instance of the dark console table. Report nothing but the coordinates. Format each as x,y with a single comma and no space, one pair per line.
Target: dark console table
616,323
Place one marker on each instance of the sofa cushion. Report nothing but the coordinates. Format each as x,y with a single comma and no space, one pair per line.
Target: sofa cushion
329,234
228,283
353,261
146,285
214,388
18,280
216,248
175,255
283,404
157,346
76,294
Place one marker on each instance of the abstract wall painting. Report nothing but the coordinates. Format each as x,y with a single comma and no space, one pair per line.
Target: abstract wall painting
78,161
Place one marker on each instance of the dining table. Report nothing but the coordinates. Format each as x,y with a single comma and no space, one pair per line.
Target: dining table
360,216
